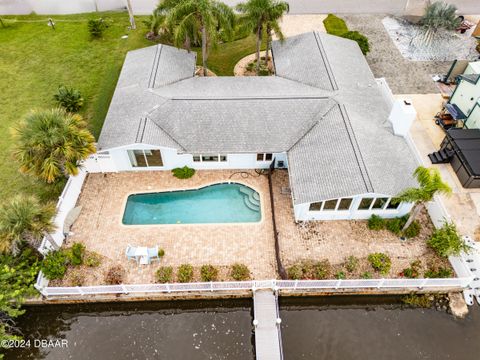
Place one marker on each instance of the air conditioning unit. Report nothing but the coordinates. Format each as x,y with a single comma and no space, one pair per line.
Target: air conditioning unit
280,164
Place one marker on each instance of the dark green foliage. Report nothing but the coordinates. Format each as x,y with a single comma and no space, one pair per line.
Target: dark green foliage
361,40
183,173
395,225
240,272
76,254
380,262
413,230
366,275
440,15
185,273
446,241
376,222
164,274
340,275
208,273
54,265
161,253
413,271
96,27
440,272
351,263
335,25
69,98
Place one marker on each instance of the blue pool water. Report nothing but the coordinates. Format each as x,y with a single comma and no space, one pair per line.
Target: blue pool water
219,203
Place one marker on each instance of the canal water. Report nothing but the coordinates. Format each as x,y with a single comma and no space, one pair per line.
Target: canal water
312,328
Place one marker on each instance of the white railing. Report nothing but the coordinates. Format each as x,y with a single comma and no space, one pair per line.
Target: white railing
317,285
66,202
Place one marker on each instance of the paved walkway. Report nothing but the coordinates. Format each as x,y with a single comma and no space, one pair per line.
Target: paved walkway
267,336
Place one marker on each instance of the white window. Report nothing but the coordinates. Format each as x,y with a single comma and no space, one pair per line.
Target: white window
342,204
145,158
264,157
379,203
209,158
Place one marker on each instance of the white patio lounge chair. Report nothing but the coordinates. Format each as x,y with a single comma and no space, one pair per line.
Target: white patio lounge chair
130,252
153,253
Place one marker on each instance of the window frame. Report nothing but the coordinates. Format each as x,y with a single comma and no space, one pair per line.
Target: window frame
264,157
147,165
220,158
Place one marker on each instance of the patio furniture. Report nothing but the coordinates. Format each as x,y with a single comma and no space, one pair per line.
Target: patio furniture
153,253
130,252
141,254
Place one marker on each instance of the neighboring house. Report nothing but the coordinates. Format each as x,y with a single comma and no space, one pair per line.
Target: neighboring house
322,116
466,95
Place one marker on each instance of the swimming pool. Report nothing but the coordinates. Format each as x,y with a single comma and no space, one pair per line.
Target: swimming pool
218,203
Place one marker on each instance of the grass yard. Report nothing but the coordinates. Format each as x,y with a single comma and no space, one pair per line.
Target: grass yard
35,60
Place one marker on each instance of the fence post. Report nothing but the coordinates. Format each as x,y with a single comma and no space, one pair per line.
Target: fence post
80,290
211,286
424,282
124,288
168,288
339,282
296,284
380,284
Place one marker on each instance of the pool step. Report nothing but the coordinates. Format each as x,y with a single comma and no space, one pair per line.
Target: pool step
253,196
250,205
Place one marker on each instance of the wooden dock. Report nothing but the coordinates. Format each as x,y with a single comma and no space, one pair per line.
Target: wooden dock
268,342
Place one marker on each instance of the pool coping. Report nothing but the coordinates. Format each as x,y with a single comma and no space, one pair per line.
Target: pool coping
262,209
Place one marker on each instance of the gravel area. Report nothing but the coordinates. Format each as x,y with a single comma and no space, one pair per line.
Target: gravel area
404,76
443,46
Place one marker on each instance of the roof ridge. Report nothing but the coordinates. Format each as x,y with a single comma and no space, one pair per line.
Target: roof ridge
286,97
330,74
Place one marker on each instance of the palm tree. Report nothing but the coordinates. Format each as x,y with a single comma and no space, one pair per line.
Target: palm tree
24,220
438,15
50,144
260,15
430,183
205,17
157,21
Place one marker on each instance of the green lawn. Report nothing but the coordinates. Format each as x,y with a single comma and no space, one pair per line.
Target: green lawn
35,60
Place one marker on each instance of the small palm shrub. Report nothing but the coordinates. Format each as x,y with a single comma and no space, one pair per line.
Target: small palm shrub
114,275
295,272
92,259
439,272
208,273
76,254
185,273
321,269
240,272
446,241
340,275
366,275
395,225
54,265
380,262
413,271
351,263
69,98
161,253
164,274
376,222
183,173
96,27
440,15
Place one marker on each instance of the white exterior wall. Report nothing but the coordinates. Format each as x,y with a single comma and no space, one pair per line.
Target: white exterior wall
466,96
118,160
302,212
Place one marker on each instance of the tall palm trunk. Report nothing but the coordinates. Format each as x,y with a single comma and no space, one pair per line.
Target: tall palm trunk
204,51
269,42
130,15
259,44
413,216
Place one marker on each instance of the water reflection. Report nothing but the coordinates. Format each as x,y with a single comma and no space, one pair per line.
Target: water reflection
160,330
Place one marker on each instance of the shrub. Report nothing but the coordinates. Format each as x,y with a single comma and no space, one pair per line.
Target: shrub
164,274
395,225
54,265
335,25
161,253
366,275
423,301
440,272
96,27
185,273
68,98
376,223
76,254
183,173
114,275
295,272
446,241
76,278
361,40
340,275
351,263
413,230
380,262
240,272
208,273
92,259
413,271
321,270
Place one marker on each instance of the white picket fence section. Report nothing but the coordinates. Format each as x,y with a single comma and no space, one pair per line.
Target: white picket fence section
293,285
66,202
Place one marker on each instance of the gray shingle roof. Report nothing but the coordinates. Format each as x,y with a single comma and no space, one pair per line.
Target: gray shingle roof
323,107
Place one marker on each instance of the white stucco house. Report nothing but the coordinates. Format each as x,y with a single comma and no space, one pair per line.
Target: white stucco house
466,95
322,117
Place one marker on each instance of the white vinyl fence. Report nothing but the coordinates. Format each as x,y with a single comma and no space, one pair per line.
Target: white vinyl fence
293,285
